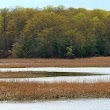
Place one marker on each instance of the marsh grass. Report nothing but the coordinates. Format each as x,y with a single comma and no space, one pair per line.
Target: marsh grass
78,62
40,74
27,91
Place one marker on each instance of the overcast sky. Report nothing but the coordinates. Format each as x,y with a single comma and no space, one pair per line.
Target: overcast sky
89,4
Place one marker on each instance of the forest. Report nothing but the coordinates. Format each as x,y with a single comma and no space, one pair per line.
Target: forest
54,32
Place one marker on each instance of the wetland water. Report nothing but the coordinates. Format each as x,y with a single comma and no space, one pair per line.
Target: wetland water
77,104
90,70
94,70
80,104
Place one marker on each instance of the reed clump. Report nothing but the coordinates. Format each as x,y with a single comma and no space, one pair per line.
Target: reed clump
25,91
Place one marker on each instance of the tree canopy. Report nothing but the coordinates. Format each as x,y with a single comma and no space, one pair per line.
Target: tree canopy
54,32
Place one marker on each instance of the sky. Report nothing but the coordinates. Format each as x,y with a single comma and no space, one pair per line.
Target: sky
88,4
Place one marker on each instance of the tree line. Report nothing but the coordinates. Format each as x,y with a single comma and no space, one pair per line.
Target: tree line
54,32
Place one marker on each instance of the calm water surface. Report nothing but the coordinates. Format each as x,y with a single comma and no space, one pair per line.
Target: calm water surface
95,70
81,104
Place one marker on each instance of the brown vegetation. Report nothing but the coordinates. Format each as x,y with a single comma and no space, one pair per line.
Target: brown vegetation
39,74
82,62
22,91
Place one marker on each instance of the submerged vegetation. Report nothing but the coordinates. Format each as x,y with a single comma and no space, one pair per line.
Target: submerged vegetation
54,32
23,91
40,74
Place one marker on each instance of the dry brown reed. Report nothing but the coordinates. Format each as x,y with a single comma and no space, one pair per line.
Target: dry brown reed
23,91
81,62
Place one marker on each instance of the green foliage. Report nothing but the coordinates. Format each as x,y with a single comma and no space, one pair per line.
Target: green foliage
79,16
25,48
69,53
57,9
55,32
